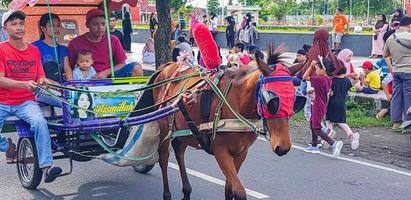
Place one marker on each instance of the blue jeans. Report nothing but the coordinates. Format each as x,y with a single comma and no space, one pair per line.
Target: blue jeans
126,70
401,97
30,112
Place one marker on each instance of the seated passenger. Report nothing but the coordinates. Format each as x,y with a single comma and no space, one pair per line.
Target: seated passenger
53,68
96,41
371,83
84,69
149,52
20,73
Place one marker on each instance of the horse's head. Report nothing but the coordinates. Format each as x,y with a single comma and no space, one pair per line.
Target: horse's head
276,98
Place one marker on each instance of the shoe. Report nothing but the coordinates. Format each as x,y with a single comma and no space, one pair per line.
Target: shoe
337,146
396,126
331,134
52,174
381,114
355,142
311,149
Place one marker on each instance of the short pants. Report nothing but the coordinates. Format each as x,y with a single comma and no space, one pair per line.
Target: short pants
367,90
337,37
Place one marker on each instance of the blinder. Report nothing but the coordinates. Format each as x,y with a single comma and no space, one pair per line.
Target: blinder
271,101
299,101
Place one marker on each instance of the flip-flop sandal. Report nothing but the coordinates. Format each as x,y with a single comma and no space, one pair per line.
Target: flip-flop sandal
52,174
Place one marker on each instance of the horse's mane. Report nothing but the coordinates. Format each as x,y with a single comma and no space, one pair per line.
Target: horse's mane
275,55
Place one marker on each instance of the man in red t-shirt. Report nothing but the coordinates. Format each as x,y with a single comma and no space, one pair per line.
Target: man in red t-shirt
97,42
20,73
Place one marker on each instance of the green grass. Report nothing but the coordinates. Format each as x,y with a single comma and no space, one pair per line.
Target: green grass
357,117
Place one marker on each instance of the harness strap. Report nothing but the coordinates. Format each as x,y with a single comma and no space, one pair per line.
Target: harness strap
277,78
217,114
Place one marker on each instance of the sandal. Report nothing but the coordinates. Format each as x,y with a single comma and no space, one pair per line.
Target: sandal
11,154
52,174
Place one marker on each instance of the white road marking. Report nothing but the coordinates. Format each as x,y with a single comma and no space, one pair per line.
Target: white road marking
217,181
356,161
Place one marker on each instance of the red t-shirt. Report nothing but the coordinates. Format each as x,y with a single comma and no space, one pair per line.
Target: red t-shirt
20,66
100,51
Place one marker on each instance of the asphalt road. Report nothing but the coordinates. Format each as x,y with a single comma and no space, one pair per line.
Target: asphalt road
298,175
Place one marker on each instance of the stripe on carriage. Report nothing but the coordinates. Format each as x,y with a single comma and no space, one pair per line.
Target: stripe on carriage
130,145
278,78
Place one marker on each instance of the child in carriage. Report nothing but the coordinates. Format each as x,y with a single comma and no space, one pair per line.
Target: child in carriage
84,69
322,86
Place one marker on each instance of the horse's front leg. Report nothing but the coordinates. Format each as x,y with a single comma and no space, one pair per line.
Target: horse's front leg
179,150
226,162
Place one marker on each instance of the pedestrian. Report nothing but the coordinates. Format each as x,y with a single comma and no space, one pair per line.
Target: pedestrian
213,25
20,73
127,30
230,31
153,24
182,21
386,85
193,22
336,108
3,34
340,23
318,74
370,81
379,30
205,20
397,50
115,32
345,56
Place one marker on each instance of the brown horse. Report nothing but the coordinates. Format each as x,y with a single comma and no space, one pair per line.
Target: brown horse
229,149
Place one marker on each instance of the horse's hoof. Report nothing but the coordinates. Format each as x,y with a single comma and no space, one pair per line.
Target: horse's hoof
167,197
240,196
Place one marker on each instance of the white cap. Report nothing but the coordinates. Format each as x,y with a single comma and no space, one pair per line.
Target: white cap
8,14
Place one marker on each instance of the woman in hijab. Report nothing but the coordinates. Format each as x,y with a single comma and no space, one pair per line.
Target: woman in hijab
379,30
398,15
127,30
345,56
319,48
149,52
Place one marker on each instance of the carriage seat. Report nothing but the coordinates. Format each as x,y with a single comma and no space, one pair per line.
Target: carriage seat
48,112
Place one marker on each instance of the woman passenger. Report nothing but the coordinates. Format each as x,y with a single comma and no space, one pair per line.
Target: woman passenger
45,44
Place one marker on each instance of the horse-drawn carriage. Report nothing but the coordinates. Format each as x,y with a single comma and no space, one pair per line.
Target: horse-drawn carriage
111,116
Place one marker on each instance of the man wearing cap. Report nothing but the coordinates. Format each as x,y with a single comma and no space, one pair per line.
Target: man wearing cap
371,84
96,41
20,73
397,53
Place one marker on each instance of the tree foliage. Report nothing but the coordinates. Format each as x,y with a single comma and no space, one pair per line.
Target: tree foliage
213,6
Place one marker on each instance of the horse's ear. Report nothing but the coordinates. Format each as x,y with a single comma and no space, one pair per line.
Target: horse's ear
262,65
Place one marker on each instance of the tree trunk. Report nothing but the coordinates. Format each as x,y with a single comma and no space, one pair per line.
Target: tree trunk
163,34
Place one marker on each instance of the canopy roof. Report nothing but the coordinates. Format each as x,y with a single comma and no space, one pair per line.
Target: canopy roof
113,4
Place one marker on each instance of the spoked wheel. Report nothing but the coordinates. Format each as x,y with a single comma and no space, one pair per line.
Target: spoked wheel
27,164
143,169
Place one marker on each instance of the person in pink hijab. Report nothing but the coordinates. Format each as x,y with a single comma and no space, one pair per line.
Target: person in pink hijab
345,56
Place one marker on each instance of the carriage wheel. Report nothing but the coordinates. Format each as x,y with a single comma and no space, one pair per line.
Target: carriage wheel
143,169
27,164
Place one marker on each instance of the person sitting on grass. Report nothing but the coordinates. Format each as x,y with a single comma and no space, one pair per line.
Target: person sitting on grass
386,85
371,82
84,69
237,59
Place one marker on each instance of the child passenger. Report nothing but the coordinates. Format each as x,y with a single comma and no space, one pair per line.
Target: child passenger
84,69
322,85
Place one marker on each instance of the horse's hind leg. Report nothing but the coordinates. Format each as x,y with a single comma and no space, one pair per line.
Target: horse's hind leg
163,159
179,150
226,163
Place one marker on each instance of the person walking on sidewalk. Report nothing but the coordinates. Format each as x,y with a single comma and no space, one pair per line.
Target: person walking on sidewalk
322,85
340,23
230,31
397,52
127,30
153,24
336,109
